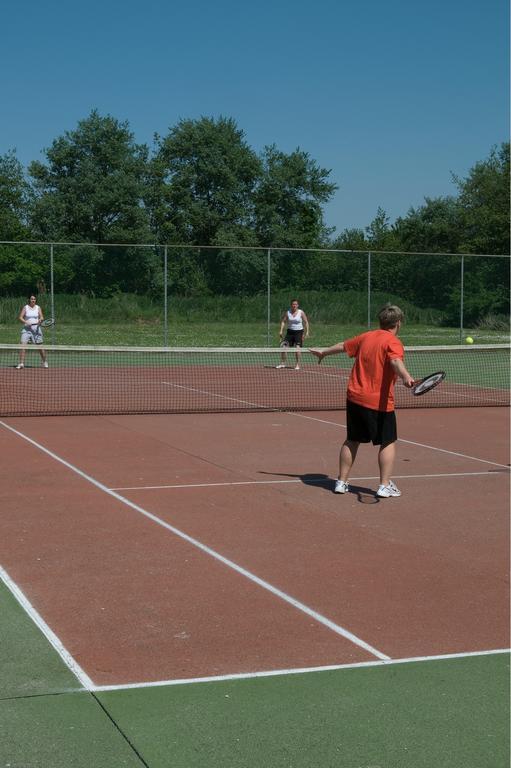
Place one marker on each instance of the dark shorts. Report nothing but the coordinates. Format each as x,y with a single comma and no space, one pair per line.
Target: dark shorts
293,339
368,426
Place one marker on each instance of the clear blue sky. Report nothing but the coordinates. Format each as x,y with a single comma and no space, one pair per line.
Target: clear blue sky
390,96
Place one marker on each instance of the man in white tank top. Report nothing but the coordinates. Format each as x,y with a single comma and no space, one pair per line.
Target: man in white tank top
296,323
31,315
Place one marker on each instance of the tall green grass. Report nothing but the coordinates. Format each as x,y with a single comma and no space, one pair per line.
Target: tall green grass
333,307
128,319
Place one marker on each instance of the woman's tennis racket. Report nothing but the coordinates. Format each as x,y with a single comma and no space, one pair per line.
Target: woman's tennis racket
428,383
43,324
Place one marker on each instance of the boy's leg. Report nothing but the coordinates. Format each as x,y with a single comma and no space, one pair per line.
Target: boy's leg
386,458
346,458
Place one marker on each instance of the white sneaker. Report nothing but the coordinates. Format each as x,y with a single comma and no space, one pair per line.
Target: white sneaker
385,491
341,486
280,365
19,366
297,367
45,364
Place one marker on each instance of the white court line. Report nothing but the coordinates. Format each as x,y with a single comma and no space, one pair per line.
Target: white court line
409,442
339,630
487,472
50,635
297,670
220,397
87,683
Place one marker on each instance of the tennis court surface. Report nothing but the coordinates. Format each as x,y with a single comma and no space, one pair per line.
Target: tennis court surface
186,589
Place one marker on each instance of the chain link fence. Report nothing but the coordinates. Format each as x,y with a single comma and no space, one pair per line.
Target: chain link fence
163,288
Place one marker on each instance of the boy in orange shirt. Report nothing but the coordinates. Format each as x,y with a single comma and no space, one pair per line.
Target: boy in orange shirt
370,398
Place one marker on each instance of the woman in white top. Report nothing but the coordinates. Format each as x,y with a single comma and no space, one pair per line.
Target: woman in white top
31,316
296,323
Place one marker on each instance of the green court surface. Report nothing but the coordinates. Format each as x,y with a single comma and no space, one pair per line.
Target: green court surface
450,713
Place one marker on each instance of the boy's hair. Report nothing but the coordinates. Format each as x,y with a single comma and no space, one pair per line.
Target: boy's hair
389,316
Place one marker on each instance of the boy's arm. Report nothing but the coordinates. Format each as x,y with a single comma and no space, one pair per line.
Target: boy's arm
400,369
333,350
306,323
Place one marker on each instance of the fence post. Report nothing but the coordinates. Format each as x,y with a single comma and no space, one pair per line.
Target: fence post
268,298
52,294
462,281
369,290
165,304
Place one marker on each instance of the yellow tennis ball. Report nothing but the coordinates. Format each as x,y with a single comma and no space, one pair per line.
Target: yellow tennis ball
469,340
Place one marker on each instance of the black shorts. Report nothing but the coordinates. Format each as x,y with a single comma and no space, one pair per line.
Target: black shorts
366,426
293,338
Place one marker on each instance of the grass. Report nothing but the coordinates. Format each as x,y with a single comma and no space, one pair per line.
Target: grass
223,321
229,334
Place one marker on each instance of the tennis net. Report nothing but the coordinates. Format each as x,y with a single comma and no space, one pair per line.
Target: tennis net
121,380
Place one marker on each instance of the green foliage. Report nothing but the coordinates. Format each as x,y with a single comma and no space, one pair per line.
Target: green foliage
344,307
201,182
484,201
91,188
474,221
205,186
14,199
434,227
288,200
24,269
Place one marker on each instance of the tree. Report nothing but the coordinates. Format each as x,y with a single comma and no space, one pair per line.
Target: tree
201,183
22,268
483,203
433,227
351,239
92,187
288,214
14,199
200,192
288,200
91,191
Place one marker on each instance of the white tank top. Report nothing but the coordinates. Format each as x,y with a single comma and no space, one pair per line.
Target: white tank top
31,314
294,322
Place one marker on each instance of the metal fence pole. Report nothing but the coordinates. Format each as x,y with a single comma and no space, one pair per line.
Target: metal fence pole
268,298
165,300
462,281
52,294
369,290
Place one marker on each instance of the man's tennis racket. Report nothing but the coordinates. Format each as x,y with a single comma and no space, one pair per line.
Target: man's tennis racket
428,383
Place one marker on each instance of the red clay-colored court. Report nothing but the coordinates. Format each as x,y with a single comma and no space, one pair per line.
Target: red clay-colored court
169,547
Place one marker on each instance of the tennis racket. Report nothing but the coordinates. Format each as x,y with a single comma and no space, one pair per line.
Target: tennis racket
428,383
43,324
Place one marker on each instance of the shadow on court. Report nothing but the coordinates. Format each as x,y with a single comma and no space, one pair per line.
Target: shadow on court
326,483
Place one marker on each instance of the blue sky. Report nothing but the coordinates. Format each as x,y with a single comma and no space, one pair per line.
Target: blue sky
391,96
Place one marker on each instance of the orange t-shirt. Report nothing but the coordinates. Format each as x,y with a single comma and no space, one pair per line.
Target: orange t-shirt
372,377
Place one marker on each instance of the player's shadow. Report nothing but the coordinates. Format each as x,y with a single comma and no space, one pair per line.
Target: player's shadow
326,483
